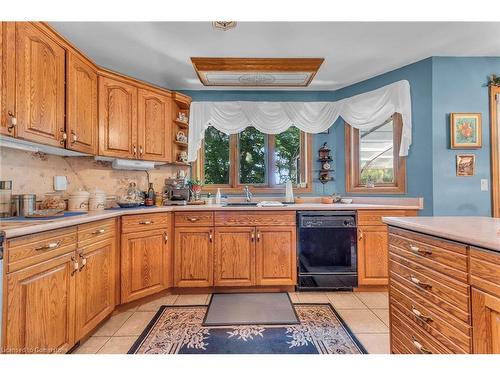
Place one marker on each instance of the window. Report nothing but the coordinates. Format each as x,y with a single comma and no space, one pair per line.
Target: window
373,163
265,162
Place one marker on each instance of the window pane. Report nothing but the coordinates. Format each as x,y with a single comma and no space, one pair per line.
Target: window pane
216,157
252,153
286,156
376,155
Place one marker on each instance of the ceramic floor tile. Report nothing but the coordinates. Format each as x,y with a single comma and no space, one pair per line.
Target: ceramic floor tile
118,345
363,321
383,314
345,300
91,345
113,324
375,343
294,297
136,323
313,297
193,299
157,303
374,300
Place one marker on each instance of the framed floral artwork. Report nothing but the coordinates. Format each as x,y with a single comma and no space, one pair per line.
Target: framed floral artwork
465,130
466,165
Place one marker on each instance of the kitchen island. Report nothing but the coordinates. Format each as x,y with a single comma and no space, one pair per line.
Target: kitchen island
444,288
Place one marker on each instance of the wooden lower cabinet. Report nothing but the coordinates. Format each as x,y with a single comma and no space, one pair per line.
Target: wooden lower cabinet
276,262
373,257
234,256
95,285
193,257
485,322
40,314
144,263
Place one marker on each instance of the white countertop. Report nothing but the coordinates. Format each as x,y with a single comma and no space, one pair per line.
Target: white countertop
478,231
21,228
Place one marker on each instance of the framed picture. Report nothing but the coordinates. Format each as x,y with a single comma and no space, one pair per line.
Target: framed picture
465,130
465,165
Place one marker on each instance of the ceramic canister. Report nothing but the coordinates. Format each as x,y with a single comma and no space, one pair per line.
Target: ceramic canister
79,201
97,200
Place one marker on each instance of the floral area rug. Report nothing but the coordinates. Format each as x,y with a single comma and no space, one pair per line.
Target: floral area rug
179,330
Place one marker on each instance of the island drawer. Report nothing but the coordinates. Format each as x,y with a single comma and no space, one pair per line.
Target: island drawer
142,222
194,218
450,332
426,280
485,270
92,232
442,256
32,249
242,218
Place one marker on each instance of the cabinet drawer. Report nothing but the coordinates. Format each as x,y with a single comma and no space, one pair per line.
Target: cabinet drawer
485,270
35,248
91,232
425,279
412,337
432,321
442,256
142,222
195,218
374,217
242,218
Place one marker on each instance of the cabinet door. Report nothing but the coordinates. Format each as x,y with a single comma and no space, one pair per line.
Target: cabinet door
373,255
154,124
234,256
144,265
40,311
117,118
95,285
276,256
485,322
7,77
193,257
40,85
81,105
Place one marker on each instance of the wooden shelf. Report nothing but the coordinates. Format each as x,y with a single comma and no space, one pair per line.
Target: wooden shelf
182,144
181,163
182,124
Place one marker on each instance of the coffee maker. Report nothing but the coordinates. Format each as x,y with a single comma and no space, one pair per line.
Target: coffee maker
175,192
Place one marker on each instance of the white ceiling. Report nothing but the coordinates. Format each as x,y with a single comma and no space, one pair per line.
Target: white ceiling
159,52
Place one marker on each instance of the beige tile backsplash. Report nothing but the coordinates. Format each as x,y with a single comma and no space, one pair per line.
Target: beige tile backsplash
33,173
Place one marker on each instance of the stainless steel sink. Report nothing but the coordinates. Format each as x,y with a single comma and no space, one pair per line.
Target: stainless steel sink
240,204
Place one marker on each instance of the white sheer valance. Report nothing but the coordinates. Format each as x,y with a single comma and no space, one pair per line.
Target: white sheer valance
362,111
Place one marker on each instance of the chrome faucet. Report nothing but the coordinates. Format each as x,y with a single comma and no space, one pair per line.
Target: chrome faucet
248,195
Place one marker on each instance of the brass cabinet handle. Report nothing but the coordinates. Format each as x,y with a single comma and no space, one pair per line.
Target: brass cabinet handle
84,261
49,246
74,138
416,281
193,219
141,151
135,150
99,231
165,236
146,222
420,347
13,122
64,137
75,266
360,235
253,236
420,251
421,316
210,237
258,236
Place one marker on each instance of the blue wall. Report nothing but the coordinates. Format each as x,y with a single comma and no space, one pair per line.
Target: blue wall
439,85
459,85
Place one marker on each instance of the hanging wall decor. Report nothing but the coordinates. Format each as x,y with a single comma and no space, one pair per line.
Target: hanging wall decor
325,159
465,130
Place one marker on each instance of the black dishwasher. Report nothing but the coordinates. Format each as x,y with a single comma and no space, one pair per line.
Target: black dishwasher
327,250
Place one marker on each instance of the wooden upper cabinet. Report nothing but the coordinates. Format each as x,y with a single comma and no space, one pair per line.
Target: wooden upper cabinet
193,257
373,256
95,285
144,263
117,118
276,259
41,308
40,94
154,126
485,322
7,77
234,256
81,105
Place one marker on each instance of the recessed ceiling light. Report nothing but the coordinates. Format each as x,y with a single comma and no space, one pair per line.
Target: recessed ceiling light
224,25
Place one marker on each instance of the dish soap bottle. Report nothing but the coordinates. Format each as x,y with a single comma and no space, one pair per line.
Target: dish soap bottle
150,197
218,196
